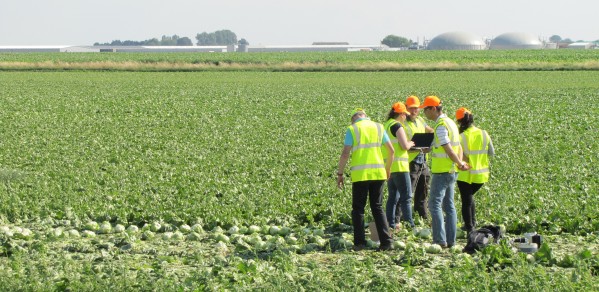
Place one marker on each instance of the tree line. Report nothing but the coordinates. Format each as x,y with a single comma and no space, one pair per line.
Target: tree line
218,38
226,37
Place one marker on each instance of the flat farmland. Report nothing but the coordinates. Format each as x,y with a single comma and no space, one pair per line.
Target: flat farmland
223,153
422,60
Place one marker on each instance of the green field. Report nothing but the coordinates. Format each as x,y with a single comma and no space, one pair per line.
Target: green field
497,60
219,150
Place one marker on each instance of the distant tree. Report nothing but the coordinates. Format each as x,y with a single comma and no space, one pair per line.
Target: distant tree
205,39
129,43
169,40
394,41
217,38
184,41
173,40
225,37
152,42
555,38
243,41
567,41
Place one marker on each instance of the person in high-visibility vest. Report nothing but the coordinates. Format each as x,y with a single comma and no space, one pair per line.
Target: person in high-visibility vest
477,146
363,139
420,174
398,185
445,158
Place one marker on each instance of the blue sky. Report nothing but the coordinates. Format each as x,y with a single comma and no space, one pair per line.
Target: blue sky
272,22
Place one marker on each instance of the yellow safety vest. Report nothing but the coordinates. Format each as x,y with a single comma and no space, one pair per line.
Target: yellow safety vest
475,143
367,159
417,126
440,161
400,160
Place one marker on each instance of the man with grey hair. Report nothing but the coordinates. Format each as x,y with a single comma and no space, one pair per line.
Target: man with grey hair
363,139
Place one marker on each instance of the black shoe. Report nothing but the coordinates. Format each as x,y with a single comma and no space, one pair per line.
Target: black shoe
359,247
467,230
384,248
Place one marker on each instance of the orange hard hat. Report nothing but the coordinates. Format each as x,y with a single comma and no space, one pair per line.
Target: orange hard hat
459,114
430,100
412,101
399,108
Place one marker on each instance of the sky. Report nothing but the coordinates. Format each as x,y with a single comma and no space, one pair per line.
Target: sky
281,22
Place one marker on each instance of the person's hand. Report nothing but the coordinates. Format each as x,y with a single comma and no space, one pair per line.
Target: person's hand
340,181
411,144
464,166
426,149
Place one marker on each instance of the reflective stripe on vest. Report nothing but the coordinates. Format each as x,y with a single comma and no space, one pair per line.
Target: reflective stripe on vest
367,166
371,145
357,133
478,171
475,143
467,148
400,160
367,159
440,162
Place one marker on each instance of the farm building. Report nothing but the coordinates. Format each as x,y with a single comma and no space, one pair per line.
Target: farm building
32,49
515,40
581,46
162,49
318,48
456,41
119,49
195,49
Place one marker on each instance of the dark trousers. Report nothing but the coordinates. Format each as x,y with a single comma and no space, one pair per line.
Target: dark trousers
372,190
467,192
420,176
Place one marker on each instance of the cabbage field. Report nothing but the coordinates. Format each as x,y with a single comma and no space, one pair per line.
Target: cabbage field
226,180
494,60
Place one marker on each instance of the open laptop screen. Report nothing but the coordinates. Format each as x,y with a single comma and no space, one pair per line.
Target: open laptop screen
423,140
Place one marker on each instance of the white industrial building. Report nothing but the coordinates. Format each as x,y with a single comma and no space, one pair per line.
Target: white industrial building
445,41
318,48
193,49
581,45
515,41
32,49
456,41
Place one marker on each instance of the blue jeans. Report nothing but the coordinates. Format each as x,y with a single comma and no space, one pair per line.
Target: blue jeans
400,193
441,197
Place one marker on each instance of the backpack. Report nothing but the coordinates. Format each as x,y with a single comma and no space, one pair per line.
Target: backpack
480,238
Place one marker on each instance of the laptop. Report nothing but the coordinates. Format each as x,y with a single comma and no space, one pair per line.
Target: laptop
422,140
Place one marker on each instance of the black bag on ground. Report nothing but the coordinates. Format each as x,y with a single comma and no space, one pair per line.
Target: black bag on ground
480,238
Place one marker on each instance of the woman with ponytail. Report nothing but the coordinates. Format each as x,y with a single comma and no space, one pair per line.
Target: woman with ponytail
399,184
477,148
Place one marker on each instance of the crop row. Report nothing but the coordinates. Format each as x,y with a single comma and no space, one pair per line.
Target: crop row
250,240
